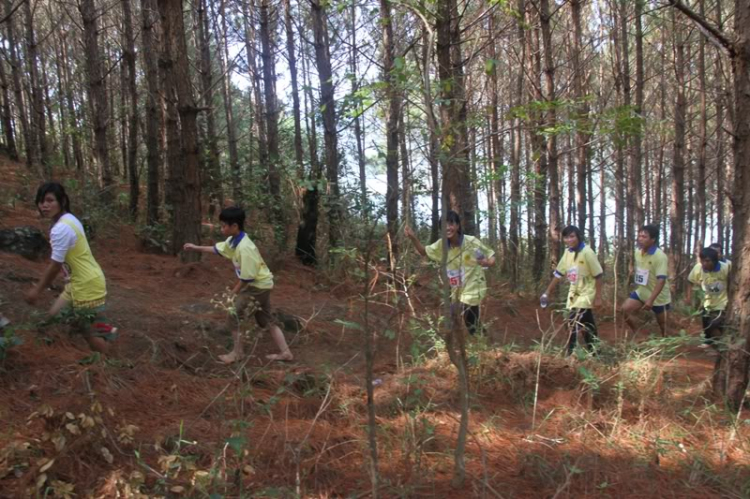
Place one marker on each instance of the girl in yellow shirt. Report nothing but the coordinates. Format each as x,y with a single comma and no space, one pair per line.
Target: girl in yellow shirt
85,288
467,256
583,271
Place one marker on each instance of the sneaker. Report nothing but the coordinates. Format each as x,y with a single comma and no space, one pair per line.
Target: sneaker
703,346
3,322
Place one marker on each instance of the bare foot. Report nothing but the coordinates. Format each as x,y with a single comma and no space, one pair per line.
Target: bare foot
283,357
230,358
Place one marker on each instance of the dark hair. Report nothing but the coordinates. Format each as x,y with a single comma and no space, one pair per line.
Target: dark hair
652,230
453,218
711,254
56,190
233,215
572,229
716,246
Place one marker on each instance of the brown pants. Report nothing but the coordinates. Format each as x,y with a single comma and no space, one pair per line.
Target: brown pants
251,301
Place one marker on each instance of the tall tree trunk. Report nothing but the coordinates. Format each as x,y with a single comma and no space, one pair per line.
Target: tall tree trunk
636,154
226,67
456,185
7,117
258,115
99,102
453,112
516,147
212,178
700,198
61,95
38,134
540,158
129,56
186,195
308,224
551,124
16,74
52,144
292,57
677,207
330,135
433,146
70,104
267,29
153,112
407,195
353,54
392,111
720,160
631,192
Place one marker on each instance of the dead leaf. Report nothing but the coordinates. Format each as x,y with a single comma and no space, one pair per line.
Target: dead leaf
47,466
107,455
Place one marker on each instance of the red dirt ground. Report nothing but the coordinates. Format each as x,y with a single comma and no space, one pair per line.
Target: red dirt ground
175,422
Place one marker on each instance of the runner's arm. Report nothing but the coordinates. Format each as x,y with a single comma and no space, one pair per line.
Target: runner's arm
49,275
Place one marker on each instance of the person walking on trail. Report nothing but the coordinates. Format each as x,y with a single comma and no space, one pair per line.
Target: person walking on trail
651,272
712,276
253,288
467,256
85,290
583,271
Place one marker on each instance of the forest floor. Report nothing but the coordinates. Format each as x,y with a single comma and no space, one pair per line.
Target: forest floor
161,417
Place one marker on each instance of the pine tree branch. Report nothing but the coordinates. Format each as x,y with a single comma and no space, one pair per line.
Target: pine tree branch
713,34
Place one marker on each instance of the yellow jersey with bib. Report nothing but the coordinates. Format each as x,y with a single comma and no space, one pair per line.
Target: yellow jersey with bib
87,287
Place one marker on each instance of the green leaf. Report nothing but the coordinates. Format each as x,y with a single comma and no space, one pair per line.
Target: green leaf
489,66
350,325
236,443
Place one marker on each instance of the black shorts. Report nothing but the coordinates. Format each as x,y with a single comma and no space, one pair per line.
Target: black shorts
713,320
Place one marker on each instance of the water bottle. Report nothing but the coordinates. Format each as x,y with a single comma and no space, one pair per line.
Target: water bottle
544,300
478,254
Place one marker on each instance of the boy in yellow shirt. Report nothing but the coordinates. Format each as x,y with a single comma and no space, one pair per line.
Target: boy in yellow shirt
712,275
253,287
467,256
651,271
584,273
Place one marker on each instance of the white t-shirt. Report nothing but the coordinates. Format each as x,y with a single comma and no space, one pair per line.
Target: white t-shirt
63,237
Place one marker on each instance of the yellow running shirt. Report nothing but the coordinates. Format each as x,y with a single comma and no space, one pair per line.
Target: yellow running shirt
714,284
581,271
465,275
651,267
248,264
87,287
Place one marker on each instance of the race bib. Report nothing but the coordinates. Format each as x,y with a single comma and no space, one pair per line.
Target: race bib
714,288
641,277
572,275
456,277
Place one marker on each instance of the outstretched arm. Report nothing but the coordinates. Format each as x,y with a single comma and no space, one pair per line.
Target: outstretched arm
552,285
417,243
199,249
49,275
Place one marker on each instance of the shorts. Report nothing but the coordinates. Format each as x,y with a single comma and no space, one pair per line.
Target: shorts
87,318
90,322
713,320
658,309
582,320
469,314
251,301
471,318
